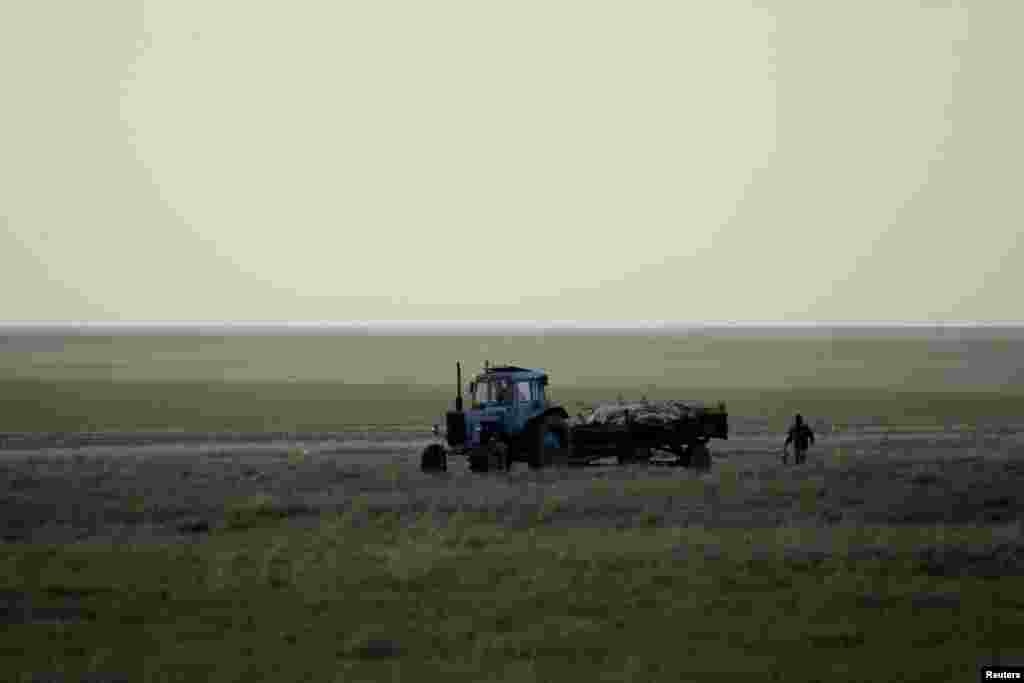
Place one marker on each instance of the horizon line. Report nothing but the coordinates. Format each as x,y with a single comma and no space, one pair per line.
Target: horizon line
510,327
511,322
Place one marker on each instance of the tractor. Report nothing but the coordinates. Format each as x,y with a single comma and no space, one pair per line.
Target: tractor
510,419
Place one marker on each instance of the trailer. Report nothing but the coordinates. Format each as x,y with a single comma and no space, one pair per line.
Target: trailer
636,432
511,419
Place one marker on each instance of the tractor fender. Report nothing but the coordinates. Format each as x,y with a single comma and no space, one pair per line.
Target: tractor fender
558,411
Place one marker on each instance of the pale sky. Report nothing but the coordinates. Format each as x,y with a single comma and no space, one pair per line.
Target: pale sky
224,160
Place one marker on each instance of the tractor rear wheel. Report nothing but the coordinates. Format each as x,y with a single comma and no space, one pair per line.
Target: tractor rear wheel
479,460
499,455
493,455
434,459
550,443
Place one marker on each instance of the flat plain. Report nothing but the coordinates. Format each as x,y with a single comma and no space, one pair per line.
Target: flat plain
337,559
276,548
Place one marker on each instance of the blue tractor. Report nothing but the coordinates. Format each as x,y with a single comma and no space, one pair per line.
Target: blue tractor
509,420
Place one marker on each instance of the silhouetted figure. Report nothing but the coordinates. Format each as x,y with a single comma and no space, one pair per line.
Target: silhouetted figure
801,436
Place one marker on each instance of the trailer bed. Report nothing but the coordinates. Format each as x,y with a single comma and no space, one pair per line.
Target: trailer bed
634,431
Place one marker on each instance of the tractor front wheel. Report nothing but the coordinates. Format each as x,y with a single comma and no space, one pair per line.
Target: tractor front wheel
434,459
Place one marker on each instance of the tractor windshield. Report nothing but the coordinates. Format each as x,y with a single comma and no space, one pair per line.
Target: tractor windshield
493,390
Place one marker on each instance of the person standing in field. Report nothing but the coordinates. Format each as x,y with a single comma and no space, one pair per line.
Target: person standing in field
801,436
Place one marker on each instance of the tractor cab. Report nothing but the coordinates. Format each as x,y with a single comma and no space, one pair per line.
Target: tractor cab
518,388
503,400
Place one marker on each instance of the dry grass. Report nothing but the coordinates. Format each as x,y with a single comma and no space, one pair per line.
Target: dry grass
344,571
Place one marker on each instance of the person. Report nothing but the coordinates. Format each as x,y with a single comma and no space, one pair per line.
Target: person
801,436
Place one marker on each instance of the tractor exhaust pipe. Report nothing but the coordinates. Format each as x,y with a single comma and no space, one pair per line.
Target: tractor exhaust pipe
458,386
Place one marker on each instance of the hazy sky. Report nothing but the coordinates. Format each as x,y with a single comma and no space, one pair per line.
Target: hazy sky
786,161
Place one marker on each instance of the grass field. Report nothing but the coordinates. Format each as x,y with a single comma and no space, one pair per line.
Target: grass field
470,601
321,568
895,554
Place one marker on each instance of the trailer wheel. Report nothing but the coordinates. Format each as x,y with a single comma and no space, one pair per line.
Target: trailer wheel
551,443
682,455
434,459
699,456
629,454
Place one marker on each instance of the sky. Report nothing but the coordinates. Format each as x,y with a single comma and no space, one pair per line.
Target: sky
591,160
